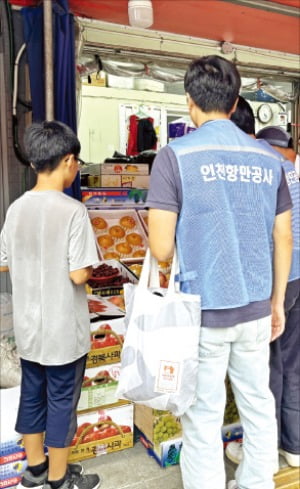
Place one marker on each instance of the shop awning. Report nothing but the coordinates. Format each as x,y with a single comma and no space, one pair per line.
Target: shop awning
262,24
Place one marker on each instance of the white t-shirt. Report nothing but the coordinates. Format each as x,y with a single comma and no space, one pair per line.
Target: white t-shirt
46,235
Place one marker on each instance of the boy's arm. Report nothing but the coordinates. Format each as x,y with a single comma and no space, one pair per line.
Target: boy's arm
3,258
82,248
282,258
162,225
81,276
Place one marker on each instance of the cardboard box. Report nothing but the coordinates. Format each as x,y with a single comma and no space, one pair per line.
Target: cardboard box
12,453
232,432
156,425
131,181
101,308
99,387
101,352
129,168
11,473
97,198
115,81
110,245
167,452
94,181
160,433
11,442
159,426
102,431
97,79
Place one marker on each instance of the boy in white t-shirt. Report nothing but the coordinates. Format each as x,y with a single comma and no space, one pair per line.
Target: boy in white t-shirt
48,247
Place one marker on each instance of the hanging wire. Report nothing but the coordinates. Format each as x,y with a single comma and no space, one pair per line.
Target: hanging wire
11,42
17,148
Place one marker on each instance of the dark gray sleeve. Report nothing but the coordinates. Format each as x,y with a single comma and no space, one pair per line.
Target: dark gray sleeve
284,201
165,191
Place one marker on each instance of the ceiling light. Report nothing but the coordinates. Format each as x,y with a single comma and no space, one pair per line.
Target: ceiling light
140,13
226,47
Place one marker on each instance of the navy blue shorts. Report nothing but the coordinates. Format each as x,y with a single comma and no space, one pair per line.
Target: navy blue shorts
49,399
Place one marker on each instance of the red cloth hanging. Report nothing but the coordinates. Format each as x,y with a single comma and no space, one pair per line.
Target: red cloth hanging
137,141
132,136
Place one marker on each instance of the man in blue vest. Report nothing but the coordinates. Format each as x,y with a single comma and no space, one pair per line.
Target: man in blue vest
225,200
284,352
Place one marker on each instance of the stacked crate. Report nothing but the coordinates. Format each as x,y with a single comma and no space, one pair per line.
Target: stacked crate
105,423
12,455
160,431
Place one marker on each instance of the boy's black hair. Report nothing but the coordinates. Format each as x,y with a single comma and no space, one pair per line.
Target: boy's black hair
213,83
47,142
243,116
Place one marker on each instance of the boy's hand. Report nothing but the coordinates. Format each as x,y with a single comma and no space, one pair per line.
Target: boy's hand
278,321
4,269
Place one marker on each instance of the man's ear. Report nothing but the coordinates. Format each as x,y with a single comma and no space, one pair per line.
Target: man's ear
190,101
193,109
234,107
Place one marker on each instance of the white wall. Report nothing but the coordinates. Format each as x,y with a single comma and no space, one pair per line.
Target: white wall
100,129
103,113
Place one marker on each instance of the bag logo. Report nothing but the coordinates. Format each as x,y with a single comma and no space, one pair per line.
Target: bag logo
169,377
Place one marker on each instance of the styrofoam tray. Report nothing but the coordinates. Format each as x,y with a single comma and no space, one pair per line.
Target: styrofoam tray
112,251
143,215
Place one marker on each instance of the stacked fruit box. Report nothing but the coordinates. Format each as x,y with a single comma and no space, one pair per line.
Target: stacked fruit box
103,430
160,431
105,423
12,455
103,364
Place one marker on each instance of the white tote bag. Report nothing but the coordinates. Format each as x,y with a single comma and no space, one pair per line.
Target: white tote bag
159,360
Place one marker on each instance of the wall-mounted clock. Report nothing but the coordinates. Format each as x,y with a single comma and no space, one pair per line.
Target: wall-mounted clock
264,113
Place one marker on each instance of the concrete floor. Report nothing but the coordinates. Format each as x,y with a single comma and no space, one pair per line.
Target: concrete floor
133,468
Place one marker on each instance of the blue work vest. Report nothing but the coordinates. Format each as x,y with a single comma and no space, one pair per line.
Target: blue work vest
292,179
294,188
224,229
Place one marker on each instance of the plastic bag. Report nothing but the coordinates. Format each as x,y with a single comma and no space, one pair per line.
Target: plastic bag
159,360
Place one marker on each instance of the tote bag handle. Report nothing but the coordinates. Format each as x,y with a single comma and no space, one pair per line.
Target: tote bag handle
150,273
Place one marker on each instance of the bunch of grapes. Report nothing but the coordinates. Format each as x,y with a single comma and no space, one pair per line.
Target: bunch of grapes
165,427
231,414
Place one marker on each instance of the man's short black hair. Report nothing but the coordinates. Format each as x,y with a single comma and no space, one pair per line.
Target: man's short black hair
213,83
47,142
276,136
243,116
